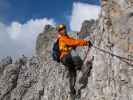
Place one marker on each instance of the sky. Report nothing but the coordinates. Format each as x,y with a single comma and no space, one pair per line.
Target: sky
22,20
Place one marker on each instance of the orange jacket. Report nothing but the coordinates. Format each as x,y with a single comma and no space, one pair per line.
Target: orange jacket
66,43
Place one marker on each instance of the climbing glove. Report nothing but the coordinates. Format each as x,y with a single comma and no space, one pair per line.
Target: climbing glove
90,44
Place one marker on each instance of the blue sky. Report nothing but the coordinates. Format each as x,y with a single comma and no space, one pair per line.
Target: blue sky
22,20
23,10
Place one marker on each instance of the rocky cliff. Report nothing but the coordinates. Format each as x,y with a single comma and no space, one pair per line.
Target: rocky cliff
111,77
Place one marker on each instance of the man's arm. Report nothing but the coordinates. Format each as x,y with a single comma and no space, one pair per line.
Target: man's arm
75,42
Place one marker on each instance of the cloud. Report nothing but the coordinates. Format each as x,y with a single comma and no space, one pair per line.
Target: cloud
81,12
17,38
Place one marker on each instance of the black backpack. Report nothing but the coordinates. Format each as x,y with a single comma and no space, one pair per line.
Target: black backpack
56,51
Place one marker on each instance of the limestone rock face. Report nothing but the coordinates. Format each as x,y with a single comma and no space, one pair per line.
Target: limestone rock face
19,80
111,78
88,26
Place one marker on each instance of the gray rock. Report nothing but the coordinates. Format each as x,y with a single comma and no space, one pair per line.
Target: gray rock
6,61
111,78
88,26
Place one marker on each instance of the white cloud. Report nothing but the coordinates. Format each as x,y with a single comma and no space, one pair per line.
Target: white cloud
81,12
17,38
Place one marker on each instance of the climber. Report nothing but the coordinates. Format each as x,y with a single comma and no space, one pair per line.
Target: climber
68,56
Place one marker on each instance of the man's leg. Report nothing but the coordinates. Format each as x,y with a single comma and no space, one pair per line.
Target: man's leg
78,62
68,62
86,70
85,74
78,66
72,80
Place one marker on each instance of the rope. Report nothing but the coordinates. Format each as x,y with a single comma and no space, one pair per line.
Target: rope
127,60
87,49
124,59
113,54
86,54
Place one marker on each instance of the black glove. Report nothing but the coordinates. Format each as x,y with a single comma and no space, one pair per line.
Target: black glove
75,47
90,44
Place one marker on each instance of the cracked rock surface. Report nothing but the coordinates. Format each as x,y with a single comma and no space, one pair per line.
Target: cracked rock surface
111,78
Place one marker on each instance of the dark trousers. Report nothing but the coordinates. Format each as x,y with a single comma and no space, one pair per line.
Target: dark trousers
72,64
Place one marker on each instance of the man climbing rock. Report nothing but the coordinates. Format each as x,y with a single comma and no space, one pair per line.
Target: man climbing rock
68,56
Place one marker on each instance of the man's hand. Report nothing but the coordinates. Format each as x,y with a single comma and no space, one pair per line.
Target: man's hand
90,44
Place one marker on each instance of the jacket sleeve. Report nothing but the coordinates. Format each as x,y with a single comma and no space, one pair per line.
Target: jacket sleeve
75,42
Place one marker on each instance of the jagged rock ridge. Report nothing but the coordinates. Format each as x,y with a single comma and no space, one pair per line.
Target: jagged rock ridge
40,78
